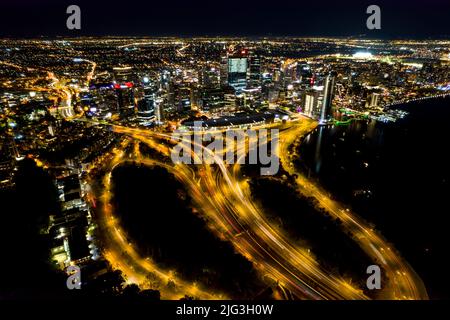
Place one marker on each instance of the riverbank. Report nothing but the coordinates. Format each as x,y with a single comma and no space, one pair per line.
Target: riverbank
394,175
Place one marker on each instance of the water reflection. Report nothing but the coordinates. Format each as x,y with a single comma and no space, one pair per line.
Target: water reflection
393,174
318,154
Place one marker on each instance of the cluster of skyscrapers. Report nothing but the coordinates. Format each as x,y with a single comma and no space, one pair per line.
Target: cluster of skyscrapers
239,80
241,70
317,102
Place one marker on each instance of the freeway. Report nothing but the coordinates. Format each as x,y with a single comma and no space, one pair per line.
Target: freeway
267,248
122,254
223,197
403,282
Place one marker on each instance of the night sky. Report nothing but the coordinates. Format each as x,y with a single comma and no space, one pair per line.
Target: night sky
400,19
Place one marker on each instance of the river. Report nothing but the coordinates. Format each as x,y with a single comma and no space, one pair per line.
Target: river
397,176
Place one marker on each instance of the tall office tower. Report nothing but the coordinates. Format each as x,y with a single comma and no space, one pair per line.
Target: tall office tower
237,70
164,81
213,100
312,102
252,98
304,74
277,76
375,100
309,103
289,75
181,98
105,97
125,99
146,106
224,68
229,99
159,113
125,80
328,93
194,97
254,71
209,77
146,110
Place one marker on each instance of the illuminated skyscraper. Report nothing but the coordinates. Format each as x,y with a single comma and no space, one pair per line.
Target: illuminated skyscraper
304,74
146,106
165,80
328,93
212,99
181,97
125,99
124,90
159,115
254,71
312,102
237,70
209,78
375,100
224,70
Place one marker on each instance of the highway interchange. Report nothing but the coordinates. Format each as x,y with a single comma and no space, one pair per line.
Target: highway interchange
221,195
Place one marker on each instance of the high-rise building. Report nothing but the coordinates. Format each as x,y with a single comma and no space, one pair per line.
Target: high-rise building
125,81
229,99
159,114
181,97
304,74
254,71
252,97
312,102
125,99
164,81
194,97
374,100
69,228
224,70
289,74
237,69
209,78
146,105
213,100
309,103
328,94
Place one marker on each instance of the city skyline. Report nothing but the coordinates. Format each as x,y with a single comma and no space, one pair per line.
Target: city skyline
85,110
233,158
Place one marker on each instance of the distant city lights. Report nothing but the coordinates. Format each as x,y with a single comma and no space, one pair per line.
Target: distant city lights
363,55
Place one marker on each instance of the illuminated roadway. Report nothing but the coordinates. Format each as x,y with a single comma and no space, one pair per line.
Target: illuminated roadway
404,282
222,196
122,254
